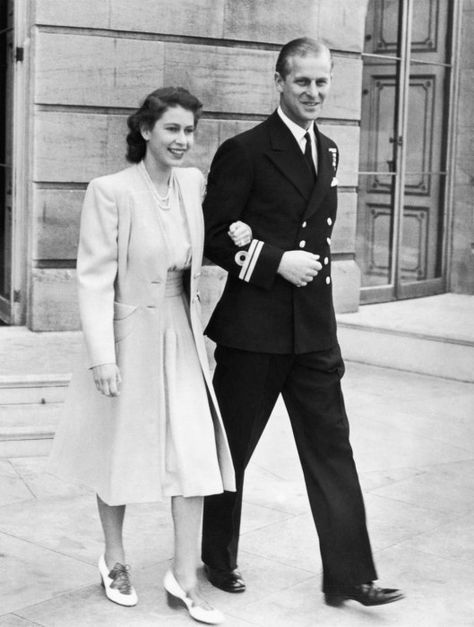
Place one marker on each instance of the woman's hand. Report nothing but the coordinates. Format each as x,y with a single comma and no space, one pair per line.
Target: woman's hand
107,379
240,233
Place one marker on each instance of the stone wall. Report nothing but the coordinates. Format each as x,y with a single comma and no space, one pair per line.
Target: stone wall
94,61
462,259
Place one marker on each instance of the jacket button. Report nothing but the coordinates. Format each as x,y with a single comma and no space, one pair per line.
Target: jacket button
304,225
302,243
328,280
329,221
328,240
326,261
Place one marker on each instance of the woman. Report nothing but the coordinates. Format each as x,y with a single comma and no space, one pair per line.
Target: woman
145,424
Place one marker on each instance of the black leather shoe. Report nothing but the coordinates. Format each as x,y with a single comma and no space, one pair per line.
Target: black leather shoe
366,593
227,580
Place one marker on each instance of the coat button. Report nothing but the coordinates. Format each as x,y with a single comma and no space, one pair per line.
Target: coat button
328,280
326,261
302,243
328,240
304,225
329,221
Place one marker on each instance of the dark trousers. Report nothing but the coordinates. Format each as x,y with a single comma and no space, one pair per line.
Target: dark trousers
247,387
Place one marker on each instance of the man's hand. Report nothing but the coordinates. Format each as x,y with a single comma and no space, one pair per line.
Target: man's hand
240,233
107,379
299,267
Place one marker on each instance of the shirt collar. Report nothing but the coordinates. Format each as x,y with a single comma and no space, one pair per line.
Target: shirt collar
297,131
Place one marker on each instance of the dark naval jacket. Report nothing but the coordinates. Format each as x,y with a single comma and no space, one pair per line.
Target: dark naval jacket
261,178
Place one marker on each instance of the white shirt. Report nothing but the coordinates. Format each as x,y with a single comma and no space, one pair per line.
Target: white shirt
298,133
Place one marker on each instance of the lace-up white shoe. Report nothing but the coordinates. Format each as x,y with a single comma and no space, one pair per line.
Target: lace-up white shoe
116,583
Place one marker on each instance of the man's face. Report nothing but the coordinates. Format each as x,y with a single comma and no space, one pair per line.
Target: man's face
304,89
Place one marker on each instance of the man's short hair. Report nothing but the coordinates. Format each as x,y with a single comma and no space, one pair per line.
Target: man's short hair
300,47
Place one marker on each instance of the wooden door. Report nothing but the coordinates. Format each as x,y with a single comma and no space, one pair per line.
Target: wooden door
399,235
421,238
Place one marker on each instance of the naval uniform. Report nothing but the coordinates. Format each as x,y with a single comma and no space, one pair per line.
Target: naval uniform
273,337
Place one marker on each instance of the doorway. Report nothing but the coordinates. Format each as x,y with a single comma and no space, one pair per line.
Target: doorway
401,215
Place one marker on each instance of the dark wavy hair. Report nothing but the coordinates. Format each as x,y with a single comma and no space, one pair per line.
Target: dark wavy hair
153,107
300,47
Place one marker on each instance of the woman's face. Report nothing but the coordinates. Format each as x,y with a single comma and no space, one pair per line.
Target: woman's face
171,137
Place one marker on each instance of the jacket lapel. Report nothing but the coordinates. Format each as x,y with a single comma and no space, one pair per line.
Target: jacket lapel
286,155
326,173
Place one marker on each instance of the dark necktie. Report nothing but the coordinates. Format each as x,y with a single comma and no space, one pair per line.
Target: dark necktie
308,155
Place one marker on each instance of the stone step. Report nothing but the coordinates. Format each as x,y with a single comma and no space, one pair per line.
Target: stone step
33,388
432,335
448,358
30,406
27,447
27,429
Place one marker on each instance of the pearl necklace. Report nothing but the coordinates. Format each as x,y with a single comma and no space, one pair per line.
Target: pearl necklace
163,202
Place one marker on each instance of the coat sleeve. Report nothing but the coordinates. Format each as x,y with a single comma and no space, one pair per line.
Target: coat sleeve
229,187
97,262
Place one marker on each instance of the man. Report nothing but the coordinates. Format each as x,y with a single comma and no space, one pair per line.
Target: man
275,326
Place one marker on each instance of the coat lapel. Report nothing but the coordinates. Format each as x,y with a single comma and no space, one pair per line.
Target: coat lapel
286,155
326,173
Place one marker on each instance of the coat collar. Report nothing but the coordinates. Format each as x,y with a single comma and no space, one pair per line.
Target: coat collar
288,158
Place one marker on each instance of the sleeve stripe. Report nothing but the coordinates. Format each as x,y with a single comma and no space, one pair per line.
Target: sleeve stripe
248,258
252,260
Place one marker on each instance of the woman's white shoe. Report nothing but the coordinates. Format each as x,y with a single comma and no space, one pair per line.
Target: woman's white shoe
116,583
176,595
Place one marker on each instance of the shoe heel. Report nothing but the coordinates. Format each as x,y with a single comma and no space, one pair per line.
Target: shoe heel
334,599
173,601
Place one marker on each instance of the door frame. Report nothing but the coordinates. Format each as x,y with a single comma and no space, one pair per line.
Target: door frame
395,289
20,163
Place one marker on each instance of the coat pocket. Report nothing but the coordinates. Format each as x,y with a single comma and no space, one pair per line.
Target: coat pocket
124,320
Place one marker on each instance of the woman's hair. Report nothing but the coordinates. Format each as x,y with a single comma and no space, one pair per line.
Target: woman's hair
153,107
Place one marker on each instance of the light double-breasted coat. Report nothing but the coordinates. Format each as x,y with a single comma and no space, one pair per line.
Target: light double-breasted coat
115,445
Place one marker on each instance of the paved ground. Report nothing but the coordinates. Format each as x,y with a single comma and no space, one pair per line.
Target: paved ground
413,438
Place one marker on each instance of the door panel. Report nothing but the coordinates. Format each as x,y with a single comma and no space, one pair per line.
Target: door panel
425,167
378,154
